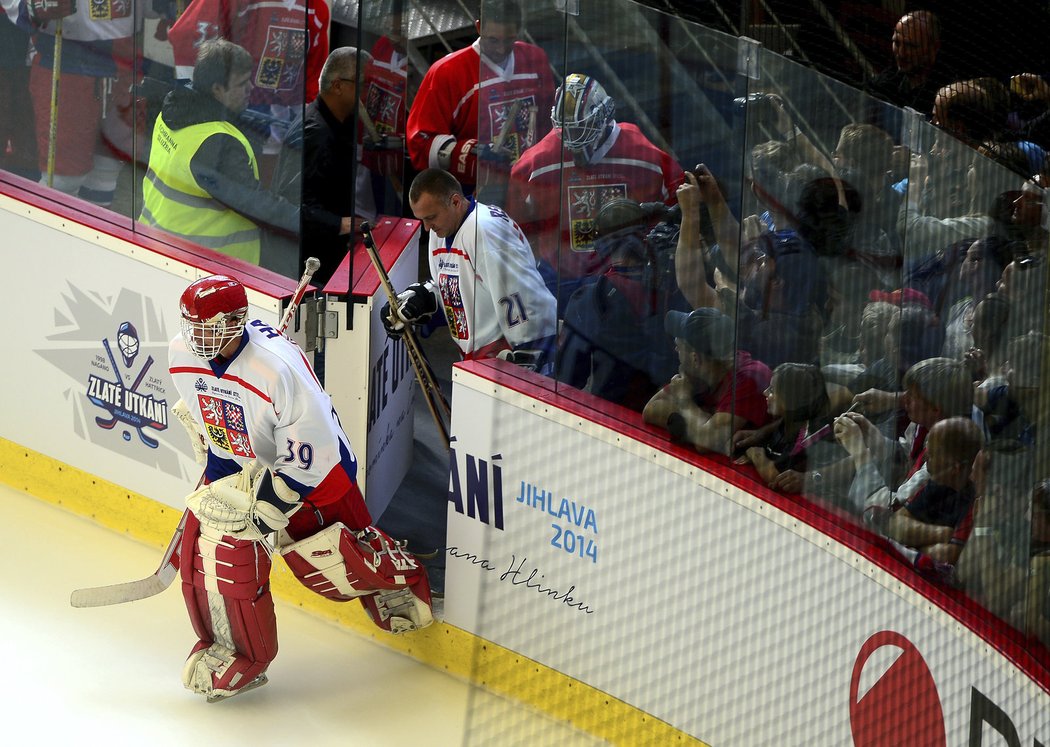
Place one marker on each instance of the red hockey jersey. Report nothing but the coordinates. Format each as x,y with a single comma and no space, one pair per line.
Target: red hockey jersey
385,96
466,96
275,34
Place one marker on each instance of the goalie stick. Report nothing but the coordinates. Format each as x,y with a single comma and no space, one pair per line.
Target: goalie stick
160,579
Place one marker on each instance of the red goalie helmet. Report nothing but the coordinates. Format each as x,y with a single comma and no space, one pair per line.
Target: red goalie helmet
213,313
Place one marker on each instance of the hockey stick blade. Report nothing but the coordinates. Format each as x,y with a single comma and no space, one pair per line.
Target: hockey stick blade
129,591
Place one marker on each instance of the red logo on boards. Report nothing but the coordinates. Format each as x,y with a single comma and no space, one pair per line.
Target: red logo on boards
899,704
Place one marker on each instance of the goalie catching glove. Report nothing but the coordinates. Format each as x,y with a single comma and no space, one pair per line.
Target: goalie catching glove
248,505
415,305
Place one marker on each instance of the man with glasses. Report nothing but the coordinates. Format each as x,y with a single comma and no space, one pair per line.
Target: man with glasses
488,101
318,166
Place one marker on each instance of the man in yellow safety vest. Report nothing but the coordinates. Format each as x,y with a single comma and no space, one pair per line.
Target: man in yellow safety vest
202,184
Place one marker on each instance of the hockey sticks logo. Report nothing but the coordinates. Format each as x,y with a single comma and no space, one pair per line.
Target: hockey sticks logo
126,405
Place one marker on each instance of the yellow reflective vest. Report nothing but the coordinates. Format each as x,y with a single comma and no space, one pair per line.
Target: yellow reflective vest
174,202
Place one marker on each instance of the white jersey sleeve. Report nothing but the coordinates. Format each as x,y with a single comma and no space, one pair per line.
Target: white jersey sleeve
516,297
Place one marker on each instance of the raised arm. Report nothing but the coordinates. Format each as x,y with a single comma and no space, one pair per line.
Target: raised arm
690,268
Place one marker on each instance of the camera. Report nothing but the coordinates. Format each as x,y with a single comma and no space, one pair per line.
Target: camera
760,111
658,211
742,101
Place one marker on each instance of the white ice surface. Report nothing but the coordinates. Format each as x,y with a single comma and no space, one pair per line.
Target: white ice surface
111,675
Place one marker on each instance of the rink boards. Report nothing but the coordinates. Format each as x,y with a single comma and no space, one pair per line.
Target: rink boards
603,552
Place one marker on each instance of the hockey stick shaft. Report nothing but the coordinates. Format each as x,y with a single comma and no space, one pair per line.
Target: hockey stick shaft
436,402
508,124
130,591
375,137
312,265
52,135
424,372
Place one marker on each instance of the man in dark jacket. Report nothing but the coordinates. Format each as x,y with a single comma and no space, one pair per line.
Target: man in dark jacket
202,184
319,166
916,75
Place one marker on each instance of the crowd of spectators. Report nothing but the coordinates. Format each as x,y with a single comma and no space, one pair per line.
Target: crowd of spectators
861,326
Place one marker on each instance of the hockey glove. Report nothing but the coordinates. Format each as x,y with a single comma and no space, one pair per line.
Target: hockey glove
491,156
461,159
415,305
42,11
530,360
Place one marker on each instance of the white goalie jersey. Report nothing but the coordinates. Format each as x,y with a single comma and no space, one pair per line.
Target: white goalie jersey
266,404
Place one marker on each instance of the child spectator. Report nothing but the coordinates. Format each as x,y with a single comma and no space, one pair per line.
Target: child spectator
929,519
798,398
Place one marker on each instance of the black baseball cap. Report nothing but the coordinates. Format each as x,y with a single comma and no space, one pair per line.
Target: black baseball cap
707,331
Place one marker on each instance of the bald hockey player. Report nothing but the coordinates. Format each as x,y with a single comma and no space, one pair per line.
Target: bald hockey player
483,275
276,462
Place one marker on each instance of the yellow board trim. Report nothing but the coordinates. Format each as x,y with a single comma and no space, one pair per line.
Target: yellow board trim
440,646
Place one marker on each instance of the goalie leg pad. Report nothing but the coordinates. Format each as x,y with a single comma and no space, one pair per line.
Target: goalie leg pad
218,672
225,584
234,568
340,564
